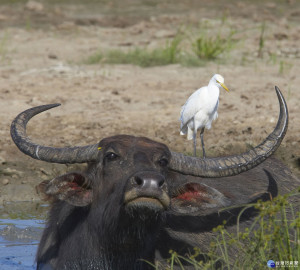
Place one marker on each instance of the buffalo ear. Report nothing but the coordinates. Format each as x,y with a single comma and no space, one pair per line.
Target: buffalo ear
194,197
73,188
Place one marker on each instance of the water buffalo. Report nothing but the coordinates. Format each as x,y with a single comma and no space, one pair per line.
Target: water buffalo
137,199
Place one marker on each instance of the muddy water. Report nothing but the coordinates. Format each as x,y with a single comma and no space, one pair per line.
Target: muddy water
21,226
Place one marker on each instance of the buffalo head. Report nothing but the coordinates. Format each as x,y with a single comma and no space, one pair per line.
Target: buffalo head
117,207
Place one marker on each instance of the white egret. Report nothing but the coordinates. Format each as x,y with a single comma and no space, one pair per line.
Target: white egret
201,109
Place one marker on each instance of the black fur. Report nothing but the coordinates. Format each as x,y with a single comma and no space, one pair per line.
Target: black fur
92,226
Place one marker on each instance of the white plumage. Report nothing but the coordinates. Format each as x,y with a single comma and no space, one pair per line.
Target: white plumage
201,109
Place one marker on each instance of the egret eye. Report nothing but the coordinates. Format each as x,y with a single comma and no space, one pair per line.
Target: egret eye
110,156
163,162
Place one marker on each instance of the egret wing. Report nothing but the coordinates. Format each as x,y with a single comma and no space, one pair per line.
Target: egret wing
191,107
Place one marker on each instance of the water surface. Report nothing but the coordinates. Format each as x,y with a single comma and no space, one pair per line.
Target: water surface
21,226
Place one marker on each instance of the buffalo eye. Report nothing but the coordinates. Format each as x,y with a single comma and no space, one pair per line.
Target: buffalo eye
163,162
110,156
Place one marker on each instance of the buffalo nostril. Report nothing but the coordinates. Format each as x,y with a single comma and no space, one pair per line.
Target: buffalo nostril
139,181
161,183
146,181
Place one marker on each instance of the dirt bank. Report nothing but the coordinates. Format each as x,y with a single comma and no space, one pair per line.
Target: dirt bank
43,50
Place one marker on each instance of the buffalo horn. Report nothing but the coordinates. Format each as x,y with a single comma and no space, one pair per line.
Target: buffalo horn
77,154
232,165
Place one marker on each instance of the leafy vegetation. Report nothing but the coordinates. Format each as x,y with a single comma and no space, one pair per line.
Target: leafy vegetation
273,235
261,40
210,47
141,56
204,48
196,46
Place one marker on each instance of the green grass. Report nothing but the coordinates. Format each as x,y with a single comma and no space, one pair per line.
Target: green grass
24,210
196,53
284,67
273,235
169,54
261,43
210,47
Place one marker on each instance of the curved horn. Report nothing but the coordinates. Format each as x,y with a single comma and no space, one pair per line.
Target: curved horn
77,154
232,165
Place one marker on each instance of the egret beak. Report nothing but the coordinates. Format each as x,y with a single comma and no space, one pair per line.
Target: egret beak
224,86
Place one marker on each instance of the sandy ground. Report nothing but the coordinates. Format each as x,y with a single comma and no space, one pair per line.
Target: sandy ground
42,54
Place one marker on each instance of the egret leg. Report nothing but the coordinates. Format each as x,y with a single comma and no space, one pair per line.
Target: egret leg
195,138
202,142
